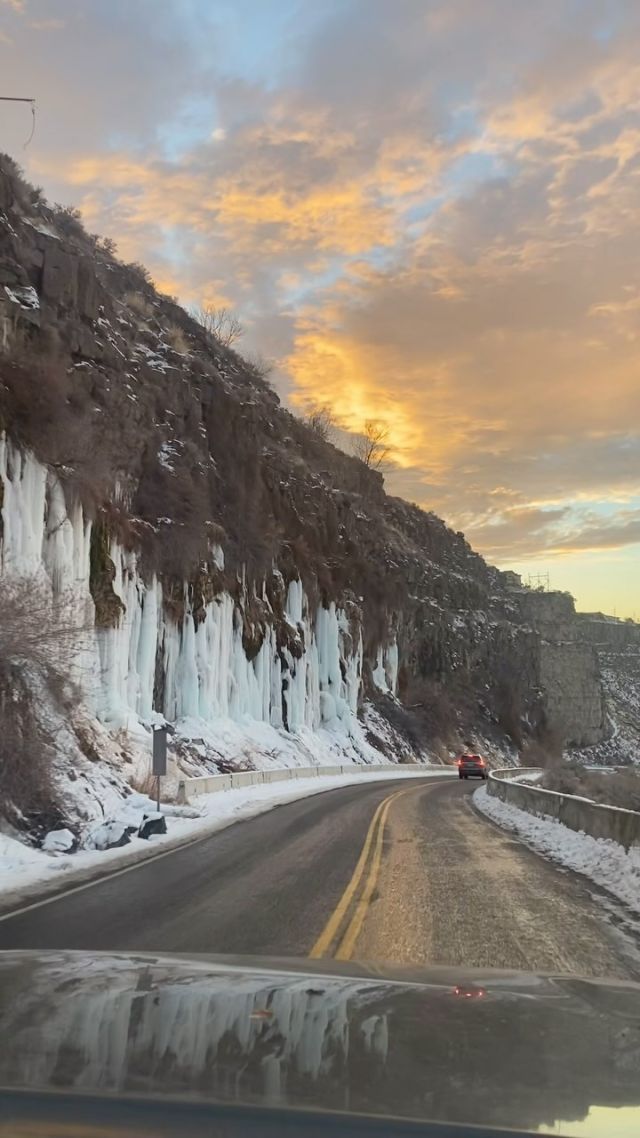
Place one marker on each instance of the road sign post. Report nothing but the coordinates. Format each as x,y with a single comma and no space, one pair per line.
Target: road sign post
159,757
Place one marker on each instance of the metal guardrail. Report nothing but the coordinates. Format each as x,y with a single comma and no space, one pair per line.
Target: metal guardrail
613,823
209,784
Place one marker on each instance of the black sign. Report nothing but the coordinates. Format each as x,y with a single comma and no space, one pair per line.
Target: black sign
160,751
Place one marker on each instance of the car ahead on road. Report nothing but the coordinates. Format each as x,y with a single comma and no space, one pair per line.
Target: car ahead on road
176,1046
472,766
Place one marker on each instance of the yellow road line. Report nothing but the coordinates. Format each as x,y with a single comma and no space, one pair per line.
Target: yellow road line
348,942
333,924
326,936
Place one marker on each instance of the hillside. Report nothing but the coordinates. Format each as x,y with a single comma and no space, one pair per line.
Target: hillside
215,563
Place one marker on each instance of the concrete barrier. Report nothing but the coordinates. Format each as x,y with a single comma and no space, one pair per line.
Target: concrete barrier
189,788
612,822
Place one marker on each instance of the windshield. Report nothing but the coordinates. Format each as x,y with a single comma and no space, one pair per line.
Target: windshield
320,494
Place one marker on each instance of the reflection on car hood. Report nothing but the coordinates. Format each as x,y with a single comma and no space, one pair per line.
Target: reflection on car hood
517,1050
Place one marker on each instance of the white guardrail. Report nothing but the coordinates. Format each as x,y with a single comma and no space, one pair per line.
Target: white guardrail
189,788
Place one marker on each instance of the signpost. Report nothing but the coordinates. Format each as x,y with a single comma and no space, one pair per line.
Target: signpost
159,757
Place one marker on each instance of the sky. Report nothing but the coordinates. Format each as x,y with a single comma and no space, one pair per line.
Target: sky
426,212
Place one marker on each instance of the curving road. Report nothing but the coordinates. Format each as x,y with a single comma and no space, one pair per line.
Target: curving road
400,872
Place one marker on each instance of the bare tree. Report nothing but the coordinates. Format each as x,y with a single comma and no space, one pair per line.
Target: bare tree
41,641
321,421
45,631
221,323
372,445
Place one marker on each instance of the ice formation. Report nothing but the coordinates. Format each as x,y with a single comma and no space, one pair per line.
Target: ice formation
207,675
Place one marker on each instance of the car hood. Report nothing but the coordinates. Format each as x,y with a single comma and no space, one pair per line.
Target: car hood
535,1052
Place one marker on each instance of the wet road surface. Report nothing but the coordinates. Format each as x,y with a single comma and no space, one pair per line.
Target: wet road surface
404,872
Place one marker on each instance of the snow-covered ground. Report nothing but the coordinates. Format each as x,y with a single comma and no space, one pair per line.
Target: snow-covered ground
25,871
605,862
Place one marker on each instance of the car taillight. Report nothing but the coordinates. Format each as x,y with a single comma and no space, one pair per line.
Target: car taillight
469,993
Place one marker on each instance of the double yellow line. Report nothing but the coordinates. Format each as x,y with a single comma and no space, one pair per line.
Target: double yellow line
330,933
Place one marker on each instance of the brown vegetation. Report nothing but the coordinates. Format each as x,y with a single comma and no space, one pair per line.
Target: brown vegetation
219,323
321,421
614,788
39,641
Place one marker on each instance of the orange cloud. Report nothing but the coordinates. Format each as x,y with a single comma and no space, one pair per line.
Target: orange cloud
463,271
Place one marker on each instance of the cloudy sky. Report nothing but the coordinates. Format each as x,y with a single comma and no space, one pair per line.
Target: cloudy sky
426,211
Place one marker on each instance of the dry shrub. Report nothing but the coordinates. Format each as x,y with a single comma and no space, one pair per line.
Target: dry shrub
26,195
220,323
68,220
615,788
139,274
176,339
545,751
139,303
28,798
322,422
39,643
257,366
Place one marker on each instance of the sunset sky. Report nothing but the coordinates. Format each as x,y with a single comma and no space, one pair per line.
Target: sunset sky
427,212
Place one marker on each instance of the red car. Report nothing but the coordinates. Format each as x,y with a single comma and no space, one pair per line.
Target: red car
471,765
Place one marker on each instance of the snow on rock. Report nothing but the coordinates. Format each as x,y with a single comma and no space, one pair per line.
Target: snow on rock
152,824
109,836
59,841
295,702
604,861
26,296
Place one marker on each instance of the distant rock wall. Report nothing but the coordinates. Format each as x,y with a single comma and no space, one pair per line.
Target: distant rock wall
606,632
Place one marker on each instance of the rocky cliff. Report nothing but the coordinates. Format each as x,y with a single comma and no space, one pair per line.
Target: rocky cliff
229,567
617,647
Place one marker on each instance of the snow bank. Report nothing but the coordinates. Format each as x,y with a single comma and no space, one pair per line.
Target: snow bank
605,862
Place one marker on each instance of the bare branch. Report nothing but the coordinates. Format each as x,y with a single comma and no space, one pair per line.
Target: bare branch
372,445
321,421
220,323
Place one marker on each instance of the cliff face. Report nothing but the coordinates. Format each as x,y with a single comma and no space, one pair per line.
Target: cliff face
617,647
235,565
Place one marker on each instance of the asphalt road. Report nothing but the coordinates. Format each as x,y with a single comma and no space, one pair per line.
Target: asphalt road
403,872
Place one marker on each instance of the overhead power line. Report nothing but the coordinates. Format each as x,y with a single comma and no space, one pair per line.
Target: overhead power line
22,99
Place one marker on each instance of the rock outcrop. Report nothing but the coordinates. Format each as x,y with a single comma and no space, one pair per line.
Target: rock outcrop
233,561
